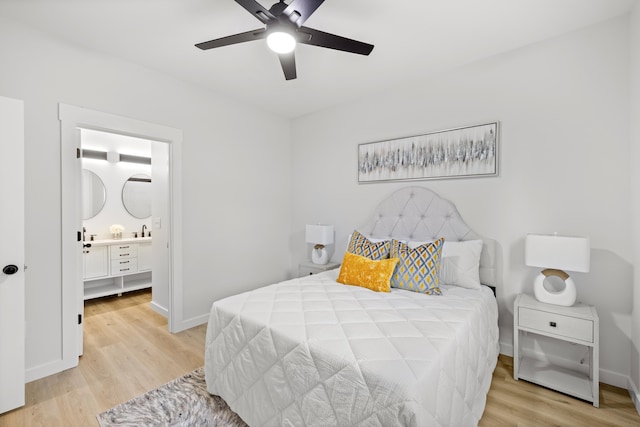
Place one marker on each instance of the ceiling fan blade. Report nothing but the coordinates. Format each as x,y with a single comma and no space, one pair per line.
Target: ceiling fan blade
332,41
288,62
234,39
300,10
256,9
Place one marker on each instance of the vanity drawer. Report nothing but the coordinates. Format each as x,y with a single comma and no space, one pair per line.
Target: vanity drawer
120,267
124,250
556,324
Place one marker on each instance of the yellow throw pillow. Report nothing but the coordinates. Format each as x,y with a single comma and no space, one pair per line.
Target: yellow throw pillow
361,271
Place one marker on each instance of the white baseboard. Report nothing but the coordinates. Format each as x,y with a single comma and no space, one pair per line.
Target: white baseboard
506,349
613,378
192,322
46,369
159,309
634,393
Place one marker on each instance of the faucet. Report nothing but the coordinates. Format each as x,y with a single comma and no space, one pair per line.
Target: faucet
144,227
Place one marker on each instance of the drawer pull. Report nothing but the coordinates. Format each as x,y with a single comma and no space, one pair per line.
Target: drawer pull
124,254
125,262
552,324
124,269
124,247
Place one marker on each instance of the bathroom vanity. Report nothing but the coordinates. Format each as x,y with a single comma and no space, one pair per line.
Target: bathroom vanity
111,267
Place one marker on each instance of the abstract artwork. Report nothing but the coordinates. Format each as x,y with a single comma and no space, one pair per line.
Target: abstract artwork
470,151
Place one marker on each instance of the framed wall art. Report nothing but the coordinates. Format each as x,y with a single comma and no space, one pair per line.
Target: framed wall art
464,152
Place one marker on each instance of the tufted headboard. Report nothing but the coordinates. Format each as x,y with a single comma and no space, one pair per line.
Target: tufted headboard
419,214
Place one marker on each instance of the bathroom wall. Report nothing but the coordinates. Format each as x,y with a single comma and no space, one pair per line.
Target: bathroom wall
114,175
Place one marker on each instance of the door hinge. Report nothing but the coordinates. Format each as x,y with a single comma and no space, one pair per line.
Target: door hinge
77,153
79,236
79,319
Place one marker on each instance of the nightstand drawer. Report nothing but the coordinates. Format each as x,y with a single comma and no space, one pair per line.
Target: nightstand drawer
566,326
309,268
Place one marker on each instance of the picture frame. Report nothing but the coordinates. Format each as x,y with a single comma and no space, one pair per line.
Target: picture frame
463,152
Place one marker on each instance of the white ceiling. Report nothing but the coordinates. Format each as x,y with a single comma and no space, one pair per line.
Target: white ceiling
412,38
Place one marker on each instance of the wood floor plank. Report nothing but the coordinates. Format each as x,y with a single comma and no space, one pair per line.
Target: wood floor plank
128,351
520,403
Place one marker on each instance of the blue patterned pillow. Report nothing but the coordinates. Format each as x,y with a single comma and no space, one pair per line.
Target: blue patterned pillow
418,268
362,246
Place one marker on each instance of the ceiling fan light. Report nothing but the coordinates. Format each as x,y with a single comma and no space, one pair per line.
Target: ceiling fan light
281,42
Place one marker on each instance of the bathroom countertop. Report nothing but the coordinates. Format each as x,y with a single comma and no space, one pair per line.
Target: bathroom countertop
104,242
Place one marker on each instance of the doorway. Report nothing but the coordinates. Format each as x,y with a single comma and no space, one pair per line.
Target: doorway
124,194
73,121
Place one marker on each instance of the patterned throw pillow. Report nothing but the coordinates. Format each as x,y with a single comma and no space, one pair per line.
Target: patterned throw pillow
418,268
364,272
362,246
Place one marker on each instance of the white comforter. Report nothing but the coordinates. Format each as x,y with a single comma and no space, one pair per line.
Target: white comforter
312,352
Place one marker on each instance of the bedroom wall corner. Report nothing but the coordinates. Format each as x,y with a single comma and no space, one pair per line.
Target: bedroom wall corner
634,73
564,113
230,171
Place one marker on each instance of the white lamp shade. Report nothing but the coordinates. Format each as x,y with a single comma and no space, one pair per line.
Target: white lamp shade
319,234
569,253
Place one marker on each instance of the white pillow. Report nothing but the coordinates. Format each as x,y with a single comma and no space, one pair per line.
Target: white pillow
460,263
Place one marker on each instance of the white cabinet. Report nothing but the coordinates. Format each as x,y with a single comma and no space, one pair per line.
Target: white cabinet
577,324
144,257
95,262
112,267
307,268
124,258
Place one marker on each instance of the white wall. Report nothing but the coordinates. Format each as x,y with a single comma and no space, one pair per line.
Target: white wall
634,52
235,174
563,108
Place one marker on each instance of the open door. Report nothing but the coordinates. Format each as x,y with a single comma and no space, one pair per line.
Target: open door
73,118
12,311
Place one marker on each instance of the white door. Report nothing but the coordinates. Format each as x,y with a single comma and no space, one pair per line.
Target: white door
12,312
160,209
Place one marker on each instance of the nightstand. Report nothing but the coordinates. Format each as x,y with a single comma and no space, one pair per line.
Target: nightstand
577,324
307,268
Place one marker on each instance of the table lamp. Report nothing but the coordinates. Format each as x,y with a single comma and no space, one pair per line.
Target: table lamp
319,236
555,254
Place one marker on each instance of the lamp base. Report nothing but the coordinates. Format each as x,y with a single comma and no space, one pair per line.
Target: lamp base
565,297
319,255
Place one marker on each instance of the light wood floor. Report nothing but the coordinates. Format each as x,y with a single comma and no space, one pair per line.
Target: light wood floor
128,351
519,403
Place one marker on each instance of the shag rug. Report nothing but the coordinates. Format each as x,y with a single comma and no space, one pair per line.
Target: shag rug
182,402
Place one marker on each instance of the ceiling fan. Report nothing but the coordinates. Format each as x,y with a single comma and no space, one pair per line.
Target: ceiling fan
284,29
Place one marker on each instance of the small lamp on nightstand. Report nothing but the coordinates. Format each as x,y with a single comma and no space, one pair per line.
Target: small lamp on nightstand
555,254
319,236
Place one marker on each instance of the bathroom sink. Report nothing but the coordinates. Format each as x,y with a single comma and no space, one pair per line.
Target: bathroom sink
102,242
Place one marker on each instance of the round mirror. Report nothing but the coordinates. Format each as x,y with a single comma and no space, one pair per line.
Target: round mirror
94,194
136,196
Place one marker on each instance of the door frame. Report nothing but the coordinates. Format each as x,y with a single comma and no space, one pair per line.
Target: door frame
71,119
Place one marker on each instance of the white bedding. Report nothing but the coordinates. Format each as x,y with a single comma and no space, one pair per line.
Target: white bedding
313,352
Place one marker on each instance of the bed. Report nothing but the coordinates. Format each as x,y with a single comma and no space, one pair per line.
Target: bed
314,352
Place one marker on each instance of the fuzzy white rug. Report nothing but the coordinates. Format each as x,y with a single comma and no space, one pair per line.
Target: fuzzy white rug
182,402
